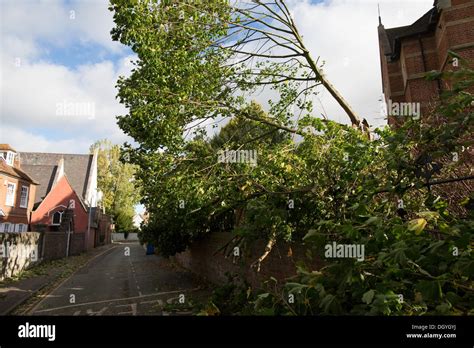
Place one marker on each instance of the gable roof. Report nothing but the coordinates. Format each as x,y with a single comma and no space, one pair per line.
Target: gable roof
65,178
44,175
43,167
390,39
15,172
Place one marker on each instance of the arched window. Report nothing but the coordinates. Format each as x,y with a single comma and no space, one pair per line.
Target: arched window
57,217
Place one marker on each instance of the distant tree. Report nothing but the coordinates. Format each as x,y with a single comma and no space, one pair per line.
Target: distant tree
116,181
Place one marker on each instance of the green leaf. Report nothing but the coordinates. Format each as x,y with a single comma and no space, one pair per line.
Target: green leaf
417,225
329,304
368,296
430,290
295,287
311,233
444,308
372,220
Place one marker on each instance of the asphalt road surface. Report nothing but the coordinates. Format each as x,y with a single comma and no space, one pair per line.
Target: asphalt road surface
124,281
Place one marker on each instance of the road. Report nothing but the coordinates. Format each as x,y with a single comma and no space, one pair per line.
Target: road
123,281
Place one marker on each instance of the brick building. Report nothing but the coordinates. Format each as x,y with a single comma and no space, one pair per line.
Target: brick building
408,52
67,197
17,192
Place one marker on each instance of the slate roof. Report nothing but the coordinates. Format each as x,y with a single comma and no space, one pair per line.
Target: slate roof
391,38
44,175
43,167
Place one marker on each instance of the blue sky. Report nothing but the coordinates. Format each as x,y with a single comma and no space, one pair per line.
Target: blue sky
58,53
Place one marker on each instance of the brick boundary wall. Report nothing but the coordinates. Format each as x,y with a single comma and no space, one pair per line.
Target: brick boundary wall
54,245
47,245
19,257
117,237
201,258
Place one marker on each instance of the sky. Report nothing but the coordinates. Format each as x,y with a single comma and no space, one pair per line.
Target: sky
59,66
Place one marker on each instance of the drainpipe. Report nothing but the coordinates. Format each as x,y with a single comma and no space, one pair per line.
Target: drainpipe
88,227
29,223
68,238
422,52
424,63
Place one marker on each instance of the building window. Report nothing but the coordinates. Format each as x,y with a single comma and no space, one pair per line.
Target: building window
10,158
57,217
24,197
6,227
10,194
20,228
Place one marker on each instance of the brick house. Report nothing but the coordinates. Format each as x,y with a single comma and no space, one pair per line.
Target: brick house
67,196
17,192
408,52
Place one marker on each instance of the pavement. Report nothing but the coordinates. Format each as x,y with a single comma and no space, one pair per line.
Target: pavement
123,280
13,293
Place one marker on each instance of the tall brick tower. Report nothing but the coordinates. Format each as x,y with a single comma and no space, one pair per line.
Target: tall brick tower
408,52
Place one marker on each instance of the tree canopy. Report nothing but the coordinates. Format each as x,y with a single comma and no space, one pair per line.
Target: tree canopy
117,183
315,181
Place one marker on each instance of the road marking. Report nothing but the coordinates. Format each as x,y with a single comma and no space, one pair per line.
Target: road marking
135,277
98,313
160,302
65,280
118,299
132,305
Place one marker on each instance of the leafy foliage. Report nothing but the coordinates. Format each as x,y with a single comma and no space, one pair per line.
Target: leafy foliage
315,182
117,183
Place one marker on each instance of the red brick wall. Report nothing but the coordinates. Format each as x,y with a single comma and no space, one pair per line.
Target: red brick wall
54,244
460,2
58,199
202,259
16,214
395,77
455,31
104,231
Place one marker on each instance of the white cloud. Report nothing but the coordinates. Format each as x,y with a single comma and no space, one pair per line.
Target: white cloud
32,93
27,141
94,22
57,23
32,86
344,34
